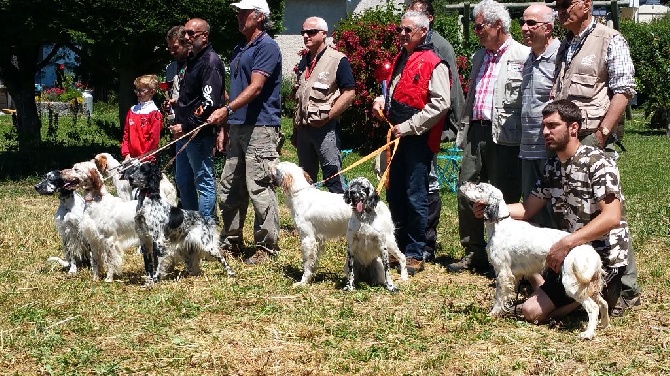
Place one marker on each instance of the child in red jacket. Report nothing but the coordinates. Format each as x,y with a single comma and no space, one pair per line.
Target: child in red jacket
142,130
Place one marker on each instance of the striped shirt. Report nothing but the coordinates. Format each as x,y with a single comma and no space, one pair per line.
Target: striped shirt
482,108
538,78
619,63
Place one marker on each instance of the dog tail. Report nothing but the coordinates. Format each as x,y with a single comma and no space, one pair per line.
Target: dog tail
59,260
589,272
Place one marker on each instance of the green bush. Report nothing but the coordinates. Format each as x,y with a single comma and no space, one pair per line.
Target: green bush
287,98
650,47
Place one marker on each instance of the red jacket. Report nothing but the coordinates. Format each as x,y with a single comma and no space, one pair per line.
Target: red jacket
142,130
410,94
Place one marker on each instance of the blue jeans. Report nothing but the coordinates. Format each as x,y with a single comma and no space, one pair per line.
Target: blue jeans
407,194
194,175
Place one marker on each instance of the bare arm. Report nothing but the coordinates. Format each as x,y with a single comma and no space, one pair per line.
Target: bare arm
246,96
609,218
614,112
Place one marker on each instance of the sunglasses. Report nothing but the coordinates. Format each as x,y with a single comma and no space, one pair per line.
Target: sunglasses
530,23
192,33
406,29
479,26
310,32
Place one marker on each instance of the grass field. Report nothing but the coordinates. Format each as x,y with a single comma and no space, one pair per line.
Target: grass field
257,324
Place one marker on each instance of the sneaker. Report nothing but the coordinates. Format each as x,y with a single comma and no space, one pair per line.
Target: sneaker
625,303
261,255
414,265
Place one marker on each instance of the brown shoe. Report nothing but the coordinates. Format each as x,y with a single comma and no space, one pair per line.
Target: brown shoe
393,262
261,255
414,265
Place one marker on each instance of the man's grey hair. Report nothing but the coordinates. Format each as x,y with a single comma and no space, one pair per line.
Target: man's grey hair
493,11
321,24
420,19
267,22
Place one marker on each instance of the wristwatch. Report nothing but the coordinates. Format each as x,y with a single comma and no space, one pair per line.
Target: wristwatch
605,131
230,110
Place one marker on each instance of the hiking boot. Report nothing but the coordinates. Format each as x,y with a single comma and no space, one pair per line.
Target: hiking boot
414,265
261,255
393,262
624,304
470,262
231,250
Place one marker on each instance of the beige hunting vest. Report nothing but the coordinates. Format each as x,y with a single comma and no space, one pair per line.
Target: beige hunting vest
316,94
585,80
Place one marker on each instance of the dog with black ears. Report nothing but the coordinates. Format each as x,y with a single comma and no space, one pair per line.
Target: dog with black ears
76,250
169,234
370,238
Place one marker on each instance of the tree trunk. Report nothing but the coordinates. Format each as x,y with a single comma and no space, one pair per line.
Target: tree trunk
29,124
126,96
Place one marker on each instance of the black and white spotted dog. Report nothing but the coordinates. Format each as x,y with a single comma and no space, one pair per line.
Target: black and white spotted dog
370,238
167,233
76,251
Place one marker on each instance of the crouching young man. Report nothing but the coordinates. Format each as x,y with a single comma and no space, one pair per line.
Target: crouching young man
584,190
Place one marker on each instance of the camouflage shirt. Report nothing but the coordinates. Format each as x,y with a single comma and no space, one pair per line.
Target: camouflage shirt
574,189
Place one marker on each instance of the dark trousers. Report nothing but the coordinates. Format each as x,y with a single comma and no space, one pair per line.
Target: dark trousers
407,194
485,161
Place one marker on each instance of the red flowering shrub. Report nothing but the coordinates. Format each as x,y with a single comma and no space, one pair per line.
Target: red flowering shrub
369,40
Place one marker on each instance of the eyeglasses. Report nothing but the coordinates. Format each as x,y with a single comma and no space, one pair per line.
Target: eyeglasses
566,5
193,33
479,26
530,23
406,29
310,32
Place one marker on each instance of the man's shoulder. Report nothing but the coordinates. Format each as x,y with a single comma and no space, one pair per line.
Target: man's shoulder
518,50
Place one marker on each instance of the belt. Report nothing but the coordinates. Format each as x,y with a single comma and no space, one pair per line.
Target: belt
267,125
483,123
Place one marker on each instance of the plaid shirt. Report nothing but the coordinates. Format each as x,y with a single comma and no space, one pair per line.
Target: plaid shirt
619,63
482,108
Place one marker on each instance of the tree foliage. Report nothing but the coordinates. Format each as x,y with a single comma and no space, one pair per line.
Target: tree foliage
115,40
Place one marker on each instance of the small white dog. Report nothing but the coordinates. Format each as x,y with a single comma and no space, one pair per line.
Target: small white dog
109,166
318,215
517,248
108,224
370,238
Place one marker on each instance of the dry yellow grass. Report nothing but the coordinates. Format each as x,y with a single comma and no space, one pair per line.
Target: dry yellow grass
257,324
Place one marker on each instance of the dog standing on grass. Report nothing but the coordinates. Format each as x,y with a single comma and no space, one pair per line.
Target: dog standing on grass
370,238
318,215
76,251
168,233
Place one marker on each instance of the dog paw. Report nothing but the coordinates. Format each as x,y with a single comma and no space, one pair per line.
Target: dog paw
299,284
392,288
587,335
348,288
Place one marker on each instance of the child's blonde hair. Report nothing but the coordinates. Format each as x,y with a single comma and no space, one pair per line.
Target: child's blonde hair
148,81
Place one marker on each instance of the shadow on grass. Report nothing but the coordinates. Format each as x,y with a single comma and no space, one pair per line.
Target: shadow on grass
18,165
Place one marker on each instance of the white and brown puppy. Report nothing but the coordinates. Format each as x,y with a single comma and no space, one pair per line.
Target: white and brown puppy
76,251
110,167
370,238
108,224
517,248
318,215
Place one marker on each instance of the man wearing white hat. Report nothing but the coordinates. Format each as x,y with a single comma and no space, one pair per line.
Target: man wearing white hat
252,120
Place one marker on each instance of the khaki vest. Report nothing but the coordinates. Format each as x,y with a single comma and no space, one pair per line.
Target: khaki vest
316,95
585,80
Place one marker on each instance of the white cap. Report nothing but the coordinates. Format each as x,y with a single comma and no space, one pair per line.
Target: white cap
260,5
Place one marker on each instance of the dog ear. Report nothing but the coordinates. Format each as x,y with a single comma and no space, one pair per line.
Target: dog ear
309,179
96,181
347,195
286,182
101,163
491,210
372,200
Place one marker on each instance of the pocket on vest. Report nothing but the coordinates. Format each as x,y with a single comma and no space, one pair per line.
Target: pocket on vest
510,127
317,111
582,86
512,90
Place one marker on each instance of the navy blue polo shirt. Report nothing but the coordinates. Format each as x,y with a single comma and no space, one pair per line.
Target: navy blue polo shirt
262,56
